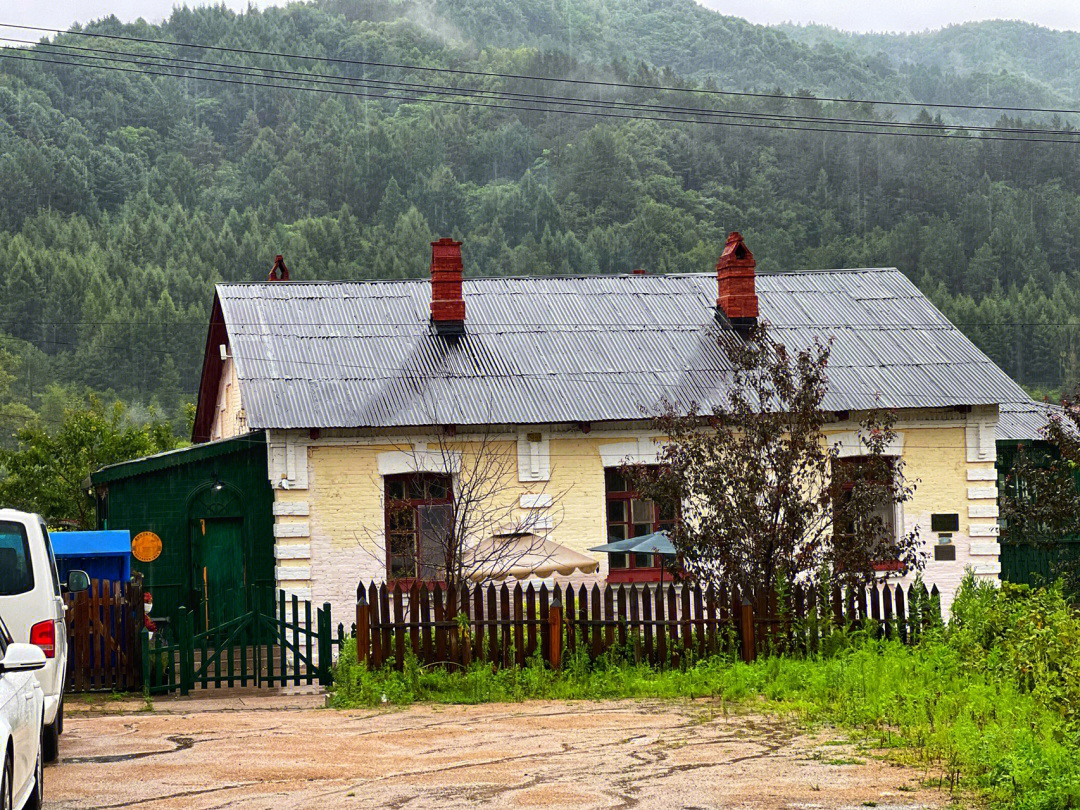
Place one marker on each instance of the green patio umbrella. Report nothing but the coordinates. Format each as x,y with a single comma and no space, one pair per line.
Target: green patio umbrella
655,543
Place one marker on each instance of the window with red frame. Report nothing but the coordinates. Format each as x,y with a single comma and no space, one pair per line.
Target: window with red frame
847,471
629,514
419,526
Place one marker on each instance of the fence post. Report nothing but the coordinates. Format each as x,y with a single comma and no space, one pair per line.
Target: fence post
187,651
144,638
555,633
746,626
326,646
362,633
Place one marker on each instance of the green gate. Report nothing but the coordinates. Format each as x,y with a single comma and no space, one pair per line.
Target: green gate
273,644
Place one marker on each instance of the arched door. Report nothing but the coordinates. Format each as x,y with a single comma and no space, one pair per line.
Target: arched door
218,554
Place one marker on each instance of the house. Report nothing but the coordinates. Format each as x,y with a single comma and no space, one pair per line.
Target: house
355,387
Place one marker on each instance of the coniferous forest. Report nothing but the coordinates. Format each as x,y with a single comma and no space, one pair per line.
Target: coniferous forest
127,195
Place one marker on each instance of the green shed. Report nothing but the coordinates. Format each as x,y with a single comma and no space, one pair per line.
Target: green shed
211,505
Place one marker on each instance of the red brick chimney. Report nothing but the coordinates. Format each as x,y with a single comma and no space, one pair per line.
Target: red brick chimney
737,301
447,304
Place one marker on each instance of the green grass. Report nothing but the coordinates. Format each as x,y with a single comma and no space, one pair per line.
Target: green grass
989,703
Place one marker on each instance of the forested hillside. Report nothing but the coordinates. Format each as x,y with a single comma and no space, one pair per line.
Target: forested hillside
128,195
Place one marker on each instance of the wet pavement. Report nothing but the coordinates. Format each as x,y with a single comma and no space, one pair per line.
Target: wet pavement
263,750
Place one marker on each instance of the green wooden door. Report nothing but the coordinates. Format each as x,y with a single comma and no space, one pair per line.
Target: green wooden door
219,575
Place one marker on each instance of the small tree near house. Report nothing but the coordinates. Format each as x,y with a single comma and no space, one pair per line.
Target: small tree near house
457,517
763,494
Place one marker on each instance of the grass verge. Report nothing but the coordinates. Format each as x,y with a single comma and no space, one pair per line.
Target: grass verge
992,701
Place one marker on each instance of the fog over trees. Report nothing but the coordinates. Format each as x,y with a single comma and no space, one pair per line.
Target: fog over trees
127,195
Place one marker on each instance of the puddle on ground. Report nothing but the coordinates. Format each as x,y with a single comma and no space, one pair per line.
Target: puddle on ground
181,743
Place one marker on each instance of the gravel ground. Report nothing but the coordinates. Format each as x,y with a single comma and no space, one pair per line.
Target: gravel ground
263,751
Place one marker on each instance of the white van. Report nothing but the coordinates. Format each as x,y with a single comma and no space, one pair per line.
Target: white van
32,605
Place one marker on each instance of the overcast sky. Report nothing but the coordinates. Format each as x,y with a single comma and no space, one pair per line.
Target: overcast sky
852,15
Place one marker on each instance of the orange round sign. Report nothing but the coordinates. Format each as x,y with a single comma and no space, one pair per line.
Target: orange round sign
146,546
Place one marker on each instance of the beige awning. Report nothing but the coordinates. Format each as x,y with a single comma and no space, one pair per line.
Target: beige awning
522,556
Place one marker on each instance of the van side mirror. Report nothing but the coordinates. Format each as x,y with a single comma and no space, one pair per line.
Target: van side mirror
22,658
77,581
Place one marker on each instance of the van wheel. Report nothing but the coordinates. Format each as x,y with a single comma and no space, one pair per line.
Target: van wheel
37,795
5,786
50,741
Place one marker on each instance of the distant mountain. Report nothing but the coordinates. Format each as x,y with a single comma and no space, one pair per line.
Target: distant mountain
127,195
992,63
1043,57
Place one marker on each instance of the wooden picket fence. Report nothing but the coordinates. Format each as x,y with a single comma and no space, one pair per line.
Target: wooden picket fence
666,626
103,630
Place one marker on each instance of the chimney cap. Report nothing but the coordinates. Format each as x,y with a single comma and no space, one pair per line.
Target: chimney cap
279,272
735,250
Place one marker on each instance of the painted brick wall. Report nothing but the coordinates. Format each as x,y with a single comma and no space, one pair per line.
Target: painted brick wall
330,534
227,422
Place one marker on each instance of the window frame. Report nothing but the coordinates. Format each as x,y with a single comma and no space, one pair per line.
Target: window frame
27,556
393,505
895,520
632,572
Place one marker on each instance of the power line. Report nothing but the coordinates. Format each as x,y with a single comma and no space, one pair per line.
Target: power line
542,109
527,77
256,71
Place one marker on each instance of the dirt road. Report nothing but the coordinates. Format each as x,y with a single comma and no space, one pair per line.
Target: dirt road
282,753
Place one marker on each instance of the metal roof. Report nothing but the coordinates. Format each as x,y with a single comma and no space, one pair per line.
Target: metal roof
1024,421
175,458
594,348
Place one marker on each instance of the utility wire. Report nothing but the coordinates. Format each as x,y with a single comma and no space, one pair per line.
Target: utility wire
541,109
256,71
590,82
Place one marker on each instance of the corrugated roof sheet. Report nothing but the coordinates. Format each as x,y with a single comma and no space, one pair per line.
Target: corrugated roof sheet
595,348
1024,421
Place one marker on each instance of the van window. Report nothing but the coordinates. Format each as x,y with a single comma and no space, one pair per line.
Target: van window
52,558
16,570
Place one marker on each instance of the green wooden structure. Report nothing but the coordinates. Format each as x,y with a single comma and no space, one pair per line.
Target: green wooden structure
212,507
274,643
1033,562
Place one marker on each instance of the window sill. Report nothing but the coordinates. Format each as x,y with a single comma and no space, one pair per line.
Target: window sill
620,576
890,567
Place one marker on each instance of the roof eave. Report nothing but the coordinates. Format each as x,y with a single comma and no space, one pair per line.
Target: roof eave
209,380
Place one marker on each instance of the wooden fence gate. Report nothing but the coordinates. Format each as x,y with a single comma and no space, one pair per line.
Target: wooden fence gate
273,644
103,626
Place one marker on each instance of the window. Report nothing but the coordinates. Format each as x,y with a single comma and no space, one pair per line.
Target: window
862,471
631,515
16,569
419,525
52,558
